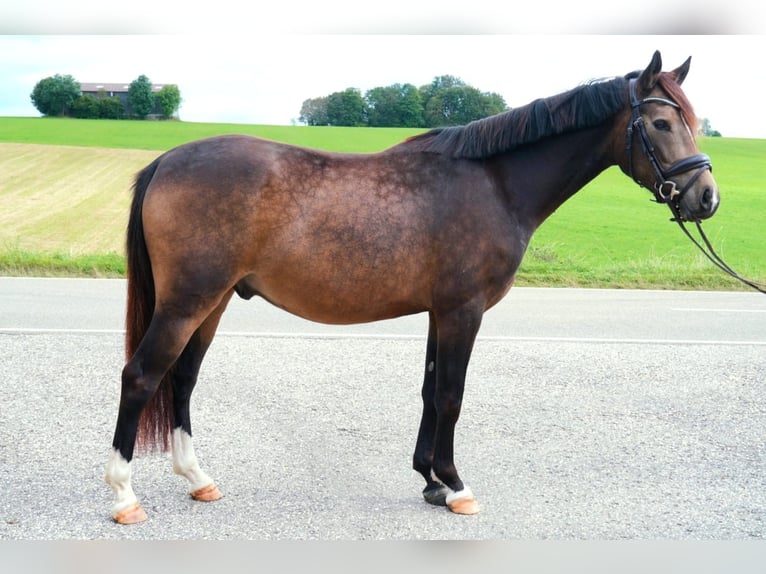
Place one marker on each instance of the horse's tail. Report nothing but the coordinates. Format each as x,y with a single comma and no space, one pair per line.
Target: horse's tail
156,420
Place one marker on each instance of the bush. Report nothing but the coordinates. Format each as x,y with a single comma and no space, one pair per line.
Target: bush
111,109
91,107
84,107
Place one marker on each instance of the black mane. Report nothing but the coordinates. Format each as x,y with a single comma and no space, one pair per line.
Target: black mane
583,107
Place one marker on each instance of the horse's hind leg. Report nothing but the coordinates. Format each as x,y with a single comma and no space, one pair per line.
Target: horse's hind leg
165,339
186,371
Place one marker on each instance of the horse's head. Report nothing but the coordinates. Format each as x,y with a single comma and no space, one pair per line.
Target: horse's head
661,152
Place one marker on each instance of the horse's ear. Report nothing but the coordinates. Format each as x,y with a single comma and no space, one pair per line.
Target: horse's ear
648,78
680,72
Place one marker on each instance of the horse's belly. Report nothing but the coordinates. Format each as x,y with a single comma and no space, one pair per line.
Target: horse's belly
334,302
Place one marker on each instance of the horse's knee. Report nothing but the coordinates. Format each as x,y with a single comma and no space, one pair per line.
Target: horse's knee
131,371
136,385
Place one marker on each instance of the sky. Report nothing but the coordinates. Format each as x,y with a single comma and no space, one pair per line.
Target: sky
261,74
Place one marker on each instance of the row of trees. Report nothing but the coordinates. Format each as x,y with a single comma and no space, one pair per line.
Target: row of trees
446,101
61,95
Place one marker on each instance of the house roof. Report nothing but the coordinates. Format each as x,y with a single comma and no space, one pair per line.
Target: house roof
107,87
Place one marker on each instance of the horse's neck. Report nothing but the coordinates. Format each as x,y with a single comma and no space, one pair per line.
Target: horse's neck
541,177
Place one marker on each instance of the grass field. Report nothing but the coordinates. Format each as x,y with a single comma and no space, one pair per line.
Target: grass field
64,188
162,136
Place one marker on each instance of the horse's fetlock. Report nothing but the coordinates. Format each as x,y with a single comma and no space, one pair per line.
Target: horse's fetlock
447,475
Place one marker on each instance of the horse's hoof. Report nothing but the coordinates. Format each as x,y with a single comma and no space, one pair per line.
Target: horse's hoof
436,494
464,506
130,515
462,502
207,493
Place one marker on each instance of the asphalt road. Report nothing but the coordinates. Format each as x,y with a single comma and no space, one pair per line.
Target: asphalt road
588,414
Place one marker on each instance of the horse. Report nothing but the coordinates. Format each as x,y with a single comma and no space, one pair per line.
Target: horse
436,224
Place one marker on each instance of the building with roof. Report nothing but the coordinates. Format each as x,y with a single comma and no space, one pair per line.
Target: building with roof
101,90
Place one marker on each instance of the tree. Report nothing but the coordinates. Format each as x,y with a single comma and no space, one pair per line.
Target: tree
140,97
54,95
346,108
410,107
493,104
451,102
314,112
381,107
168,100
438,84
707,130
446,101
394,106
456,105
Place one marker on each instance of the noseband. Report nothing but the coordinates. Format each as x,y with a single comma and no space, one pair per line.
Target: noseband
665,190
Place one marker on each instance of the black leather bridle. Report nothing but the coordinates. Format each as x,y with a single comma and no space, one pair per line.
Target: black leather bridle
665,190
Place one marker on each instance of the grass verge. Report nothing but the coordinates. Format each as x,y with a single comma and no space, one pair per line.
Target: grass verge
19,263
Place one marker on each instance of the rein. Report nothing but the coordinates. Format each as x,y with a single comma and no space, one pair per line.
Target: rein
714,257
665,190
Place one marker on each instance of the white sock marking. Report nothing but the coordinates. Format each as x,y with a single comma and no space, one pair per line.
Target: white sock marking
185,461
118,477
460,494
451,494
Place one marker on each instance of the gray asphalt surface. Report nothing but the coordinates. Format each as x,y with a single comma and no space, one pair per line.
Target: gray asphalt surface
588,414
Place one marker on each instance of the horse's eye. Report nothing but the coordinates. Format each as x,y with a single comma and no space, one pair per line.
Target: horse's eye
662,125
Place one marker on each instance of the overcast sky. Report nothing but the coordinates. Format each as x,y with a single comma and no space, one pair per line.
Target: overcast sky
264,79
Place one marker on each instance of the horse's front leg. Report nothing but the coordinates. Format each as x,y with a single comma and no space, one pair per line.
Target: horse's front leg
422,461
453,336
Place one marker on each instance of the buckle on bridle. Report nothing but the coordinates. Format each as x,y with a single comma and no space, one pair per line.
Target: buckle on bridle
666,191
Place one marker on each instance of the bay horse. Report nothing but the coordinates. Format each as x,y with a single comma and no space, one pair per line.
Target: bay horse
436,224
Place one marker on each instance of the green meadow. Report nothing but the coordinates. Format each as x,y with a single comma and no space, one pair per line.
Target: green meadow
161,136
64,195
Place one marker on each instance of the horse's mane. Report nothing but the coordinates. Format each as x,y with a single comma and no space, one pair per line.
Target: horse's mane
583,107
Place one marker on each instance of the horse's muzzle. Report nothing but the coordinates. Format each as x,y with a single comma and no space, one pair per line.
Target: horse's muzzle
705,206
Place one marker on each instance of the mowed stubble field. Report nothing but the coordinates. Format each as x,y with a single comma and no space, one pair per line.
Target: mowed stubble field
66,198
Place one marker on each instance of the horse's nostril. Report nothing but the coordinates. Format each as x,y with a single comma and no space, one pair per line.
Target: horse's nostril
706,201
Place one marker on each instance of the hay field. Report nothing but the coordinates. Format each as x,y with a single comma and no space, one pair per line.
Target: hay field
66,199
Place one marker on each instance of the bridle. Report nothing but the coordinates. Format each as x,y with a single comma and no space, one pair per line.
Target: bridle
666,190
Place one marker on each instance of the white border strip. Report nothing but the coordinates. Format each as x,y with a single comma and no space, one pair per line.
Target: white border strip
714,310
397,337
51,331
